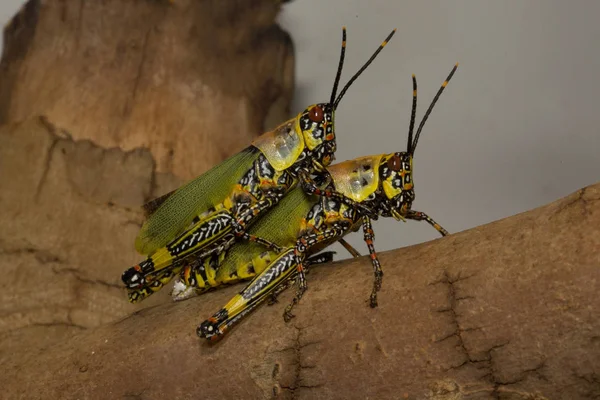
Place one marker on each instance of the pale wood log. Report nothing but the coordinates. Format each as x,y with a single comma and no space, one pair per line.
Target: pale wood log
509,310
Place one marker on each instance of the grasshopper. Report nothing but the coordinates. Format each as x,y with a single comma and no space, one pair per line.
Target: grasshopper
222,203
356,192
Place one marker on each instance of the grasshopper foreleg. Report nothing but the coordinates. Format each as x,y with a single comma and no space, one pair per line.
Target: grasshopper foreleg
421,216
377,271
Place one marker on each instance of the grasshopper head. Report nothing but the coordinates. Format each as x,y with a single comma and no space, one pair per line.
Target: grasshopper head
316,122
397,182
396,169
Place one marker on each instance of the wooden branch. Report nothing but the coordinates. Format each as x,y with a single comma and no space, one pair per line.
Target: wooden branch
509,310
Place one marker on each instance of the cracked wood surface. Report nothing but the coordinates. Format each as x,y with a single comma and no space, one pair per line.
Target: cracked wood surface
509,310
182,79
69,211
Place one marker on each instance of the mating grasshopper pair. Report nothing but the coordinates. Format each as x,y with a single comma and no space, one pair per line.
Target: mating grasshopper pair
354,193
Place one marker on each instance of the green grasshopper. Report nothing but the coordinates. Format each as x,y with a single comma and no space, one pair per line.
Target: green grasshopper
224,201
357,191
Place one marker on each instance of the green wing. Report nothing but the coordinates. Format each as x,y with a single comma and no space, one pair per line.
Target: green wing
280,226
178,209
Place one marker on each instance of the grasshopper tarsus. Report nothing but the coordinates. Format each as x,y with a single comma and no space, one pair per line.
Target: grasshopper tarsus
273,297
373,300
287,315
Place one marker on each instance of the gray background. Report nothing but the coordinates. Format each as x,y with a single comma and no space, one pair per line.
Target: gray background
516,128
8,8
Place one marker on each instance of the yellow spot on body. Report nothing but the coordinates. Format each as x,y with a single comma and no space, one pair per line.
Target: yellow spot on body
445,84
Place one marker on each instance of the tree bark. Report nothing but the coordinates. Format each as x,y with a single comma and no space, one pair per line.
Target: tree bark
509,310
193,81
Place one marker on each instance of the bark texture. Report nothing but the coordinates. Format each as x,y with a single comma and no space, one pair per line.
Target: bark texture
193,81
69,211
509,310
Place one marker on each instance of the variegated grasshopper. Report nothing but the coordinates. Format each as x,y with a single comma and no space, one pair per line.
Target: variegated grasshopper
224,201
358,190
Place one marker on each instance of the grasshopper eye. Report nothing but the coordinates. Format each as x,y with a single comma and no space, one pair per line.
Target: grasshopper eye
316,114
394,163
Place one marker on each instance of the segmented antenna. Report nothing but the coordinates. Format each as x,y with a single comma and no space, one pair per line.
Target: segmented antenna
360,71
413,113
435,99
340,66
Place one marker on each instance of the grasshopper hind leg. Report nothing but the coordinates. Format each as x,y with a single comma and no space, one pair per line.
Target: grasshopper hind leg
256,293
321,258
153,284
214,327
302,245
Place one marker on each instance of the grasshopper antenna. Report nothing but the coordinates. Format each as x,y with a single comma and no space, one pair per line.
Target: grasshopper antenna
338,75
360,71
411,127
435,99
